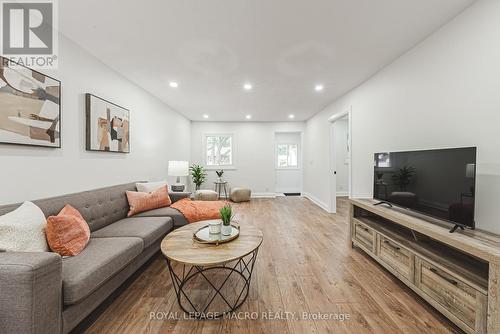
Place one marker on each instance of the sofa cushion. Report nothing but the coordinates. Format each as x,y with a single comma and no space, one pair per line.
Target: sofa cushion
98,262
23,230
99,207
67,233
149,229
140,202
177,195
149,187
175,214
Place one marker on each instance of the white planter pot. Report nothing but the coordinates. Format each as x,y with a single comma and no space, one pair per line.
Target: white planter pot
226,229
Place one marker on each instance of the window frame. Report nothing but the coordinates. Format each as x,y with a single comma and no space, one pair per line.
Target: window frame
215,167
276,161
387,163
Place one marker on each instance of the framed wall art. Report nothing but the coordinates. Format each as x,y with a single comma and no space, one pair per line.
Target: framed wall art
30,106
108,126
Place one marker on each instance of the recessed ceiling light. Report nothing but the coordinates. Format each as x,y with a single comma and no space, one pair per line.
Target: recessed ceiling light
247,86
319,88
291,116
205,116
173,84
248,116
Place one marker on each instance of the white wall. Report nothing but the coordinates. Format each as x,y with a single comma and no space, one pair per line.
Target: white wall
158,134
443,93
254,152
289,180
341,156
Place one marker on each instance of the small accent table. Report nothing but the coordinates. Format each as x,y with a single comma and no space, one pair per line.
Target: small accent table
218,188
214,266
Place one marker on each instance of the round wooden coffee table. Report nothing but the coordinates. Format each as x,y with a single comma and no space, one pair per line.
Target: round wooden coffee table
214,265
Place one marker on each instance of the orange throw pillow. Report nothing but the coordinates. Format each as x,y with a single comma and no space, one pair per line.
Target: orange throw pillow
140,202
67,233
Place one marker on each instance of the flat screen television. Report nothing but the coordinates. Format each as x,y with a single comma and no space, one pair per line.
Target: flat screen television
437,183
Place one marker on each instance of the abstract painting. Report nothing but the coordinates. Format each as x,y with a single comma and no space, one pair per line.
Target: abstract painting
30,106
108,126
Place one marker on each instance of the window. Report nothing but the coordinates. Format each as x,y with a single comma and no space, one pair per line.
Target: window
219,150
383,160
287,156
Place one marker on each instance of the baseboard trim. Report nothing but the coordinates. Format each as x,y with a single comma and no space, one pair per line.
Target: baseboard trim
342,194
263,195
289,190
316,201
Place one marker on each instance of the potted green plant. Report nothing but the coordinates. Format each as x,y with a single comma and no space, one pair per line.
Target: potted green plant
219,174
226,215
198,174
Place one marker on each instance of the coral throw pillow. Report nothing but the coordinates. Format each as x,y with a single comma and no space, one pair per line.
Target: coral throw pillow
140,202
67,233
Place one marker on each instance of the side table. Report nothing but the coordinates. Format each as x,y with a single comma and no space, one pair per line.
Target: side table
219,185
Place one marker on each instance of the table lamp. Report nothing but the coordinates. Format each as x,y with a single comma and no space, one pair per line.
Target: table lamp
178,168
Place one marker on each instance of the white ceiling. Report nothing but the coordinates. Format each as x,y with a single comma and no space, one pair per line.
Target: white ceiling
283,47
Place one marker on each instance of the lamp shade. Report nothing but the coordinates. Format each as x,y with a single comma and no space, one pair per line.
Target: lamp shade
178,168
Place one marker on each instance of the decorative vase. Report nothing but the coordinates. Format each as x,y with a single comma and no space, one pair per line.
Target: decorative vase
214,227
227,229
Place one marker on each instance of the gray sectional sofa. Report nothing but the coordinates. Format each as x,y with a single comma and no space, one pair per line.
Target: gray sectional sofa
44,293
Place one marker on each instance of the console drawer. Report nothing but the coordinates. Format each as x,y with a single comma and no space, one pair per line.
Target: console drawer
364,235
396,256
460,299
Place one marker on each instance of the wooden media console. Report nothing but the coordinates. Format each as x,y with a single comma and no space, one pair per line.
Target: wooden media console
457,273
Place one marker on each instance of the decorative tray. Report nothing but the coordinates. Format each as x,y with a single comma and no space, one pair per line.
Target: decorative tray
203,236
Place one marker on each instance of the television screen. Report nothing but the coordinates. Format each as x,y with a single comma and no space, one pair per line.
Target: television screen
438,183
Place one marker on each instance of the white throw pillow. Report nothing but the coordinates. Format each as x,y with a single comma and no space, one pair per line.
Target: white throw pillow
148,187
23,230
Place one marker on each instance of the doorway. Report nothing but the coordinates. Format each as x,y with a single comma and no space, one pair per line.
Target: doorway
288,163
340,157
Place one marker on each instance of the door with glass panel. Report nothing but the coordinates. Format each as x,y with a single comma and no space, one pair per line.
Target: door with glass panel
288,164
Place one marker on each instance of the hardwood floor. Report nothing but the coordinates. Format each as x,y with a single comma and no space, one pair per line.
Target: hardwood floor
305,264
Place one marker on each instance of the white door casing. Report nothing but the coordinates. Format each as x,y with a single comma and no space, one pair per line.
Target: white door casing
333,161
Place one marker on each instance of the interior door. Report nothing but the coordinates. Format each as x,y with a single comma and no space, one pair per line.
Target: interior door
288,162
